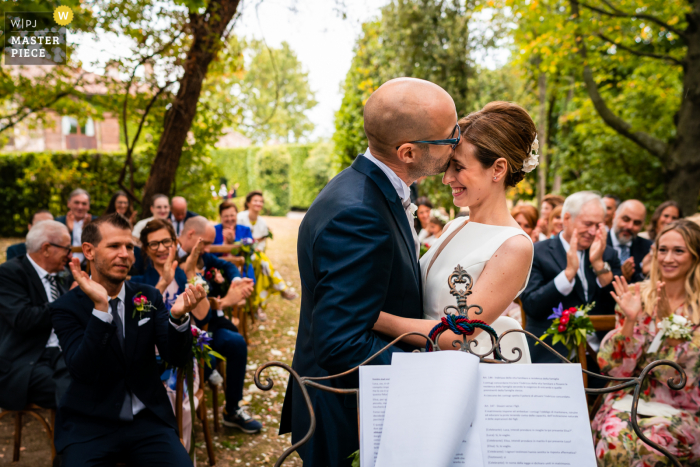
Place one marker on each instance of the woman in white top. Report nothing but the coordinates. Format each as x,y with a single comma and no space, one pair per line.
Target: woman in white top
254,203
495,153
423,217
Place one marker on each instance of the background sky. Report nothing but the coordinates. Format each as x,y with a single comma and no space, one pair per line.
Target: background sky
322,39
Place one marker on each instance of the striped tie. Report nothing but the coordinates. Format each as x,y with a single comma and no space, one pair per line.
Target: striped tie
54,286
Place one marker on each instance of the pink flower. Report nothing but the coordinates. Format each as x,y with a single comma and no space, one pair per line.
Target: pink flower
612,426
194,331
659,434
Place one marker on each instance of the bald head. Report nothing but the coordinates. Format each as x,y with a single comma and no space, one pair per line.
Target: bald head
629,220
409,109
178,207
195,228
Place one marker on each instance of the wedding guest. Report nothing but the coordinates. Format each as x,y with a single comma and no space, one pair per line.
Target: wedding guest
611,204
667,212
268,281
77,217
20,249
436,224
197,228
254,203
160,209
120,202
527,216
673,289
179,213
163,273
555,224
116,408
574,268
423,217
549,203
32,370
624,238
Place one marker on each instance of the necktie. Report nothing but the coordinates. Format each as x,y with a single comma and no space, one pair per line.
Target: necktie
126,412
54,287
624,252
406,203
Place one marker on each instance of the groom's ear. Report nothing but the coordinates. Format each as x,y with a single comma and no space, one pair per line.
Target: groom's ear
407,153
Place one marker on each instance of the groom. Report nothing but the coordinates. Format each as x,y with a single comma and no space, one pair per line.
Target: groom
358,256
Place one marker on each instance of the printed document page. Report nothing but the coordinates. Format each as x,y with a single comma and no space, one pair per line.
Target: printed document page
431,405
534,415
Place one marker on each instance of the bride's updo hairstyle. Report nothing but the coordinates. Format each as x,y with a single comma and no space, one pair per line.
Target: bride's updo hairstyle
501,130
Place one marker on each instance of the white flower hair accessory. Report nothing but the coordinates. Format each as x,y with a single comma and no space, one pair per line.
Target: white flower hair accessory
533,160
439,215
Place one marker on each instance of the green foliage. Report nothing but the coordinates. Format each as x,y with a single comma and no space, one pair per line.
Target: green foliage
32,181
289,175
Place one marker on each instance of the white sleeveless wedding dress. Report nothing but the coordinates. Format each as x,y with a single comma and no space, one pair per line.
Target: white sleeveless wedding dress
471,248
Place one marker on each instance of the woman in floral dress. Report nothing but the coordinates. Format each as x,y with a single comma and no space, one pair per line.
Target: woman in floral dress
669,417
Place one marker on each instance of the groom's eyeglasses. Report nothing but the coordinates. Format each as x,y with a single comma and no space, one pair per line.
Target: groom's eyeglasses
443,142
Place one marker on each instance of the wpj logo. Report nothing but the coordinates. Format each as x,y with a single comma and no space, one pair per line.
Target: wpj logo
36,38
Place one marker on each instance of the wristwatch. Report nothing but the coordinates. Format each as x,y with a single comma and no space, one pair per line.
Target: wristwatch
606,268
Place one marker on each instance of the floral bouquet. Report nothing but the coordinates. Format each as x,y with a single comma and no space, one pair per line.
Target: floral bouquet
199,280
200,350
570,326
246,249
673,327
423,249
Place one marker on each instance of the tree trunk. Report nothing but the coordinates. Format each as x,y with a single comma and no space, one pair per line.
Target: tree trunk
208,31
683,159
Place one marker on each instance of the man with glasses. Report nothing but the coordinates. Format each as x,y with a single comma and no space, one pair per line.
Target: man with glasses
358,255
32,370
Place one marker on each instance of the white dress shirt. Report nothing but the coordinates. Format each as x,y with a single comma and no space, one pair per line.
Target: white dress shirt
402,190
77,237
177,225
563,285
136,405
43,275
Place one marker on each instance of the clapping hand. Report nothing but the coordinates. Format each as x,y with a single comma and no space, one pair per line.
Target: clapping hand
168,271
628,268
595,253
629,299
187,300
92,289
229,236
663,306
237,291
572,260
191,262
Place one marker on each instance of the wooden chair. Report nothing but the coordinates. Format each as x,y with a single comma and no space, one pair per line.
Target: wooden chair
33,410
201,410
221,368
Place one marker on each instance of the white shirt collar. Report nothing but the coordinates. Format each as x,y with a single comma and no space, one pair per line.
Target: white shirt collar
122,293
39,270
399,185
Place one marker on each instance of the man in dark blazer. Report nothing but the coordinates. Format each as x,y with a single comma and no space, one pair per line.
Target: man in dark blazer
633,251
179,214
32,370
197,228
116,408
358,256
20,249
574,268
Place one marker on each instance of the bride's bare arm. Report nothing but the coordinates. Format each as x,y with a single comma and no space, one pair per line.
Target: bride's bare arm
499,283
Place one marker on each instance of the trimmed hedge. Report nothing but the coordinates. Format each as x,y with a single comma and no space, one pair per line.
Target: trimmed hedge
289,175
33,181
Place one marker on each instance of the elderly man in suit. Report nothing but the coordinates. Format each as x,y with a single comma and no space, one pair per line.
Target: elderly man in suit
358,256
632,250
20,249
32,370
179,214
116,408
574,268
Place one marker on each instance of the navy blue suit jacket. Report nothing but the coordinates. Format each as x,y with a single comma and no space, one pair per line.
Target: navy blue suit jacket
541,295
356,258
101,372
13,251
638,250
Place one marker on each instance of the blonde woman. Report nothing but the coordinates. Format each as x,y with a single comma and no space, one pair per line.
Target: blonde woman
667,417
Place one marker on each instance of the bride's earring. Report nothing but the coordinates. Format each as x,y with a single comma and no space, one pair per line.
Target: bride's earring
494,179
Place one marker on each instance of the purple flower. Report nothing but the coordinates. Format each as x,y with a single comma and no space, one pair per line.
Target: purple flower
247,241
557,312
202,340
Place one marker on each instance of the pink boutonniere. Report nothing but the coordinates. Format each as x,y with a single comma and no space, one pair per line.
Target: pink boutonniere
141,305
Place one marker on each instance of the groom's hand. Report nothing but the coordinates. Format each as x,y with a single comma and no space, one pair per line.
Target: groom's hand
92,289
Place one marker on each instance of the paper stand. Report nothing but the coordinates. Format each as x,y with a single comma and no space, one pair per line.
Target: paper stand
460,277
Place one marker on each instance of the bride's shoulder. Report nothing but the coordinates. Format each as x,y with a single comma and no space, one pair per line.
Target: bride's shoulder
518,246
455,223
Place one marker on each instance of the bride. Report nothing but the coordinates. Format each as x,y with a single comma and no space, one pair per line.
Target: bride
495,153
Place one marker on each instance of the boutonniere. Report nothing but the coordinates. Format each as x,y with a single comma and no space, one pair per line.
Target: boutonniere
673,327
413,208
210,274
141,305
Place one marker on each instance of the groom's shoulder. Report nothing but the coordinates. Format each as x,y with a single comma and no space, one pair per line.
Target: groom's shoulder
347,189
